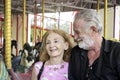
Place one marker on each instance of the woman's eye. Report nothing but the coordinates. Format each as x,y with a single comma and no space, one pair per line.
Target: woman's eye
55,41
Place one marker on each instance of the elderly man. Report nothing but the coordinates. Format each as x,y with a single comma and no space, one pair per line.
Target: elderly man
94,58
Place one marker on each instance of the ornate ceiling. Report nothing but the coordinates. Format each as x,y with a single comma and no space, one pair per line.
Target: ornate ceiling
55,5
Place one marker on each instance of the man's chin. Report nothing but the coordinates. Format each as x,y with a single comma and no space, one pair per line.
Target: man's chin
83,47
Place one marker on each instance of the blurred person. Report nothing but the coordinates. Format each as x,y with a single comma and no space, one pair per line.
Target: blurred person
94,57
54,56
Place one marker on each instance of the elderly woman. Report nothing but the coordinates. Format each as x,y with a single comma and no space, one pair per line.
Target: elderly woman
54,56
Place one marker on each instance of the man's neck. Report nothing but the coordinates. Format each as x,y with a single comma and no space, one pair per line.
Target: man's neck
93,55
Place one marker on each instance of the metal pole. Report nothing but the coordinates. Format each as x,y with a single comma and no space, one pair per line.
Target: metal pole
35,23
24,22
114,19
105,18
8,33
17,34
42,19
98,6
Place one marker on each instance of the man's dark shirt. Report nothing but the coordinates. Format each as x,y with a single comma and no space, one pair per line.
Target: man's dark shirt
106,67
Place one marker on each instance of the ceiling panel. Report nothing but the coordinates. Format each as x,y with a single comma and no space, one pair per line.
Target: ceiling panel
55,5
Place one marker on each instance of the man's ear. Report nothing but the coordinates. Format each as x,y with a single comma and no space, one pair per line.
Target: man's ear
94,29
66,45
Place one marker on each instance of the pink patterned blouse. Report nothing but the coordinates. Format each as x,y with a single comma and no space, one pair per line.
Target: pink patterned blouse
53,72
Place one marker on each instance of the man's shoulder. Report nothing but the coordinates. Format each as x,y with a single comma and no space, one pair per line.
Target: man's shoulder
76,47
77,50
112,48
114,52
113,44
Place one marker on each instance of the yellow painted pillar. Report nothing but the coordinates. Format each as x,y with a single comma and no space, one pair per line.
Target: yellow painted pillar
24,23
98,6
105,18
42,19
8,33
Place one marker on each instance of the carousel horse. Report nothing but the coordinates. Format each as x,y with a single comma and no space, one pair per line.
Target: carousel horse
36,50
24,70
27,58
20,76
4,75
11,74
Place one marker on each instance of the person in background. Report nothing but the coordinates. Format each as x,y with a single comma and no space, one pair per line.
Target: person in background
54,56
94,57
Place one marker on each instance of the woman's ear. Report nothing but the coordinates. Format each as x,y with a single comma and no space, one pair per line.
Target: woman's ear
66,45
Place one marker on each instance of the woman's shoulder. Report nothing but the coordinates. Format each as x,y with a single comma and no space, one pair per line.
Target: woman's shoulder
66,63
38,64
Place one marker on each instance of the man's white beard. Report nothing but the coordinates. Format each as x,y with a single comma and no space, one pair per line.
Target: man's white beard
86,43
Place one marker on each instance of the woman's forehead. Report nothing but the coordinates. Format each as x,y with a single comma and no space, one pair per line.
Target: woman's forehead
54,35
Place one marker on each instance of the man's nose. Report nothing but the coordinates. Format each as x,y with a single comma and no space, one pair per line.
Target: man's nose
75,36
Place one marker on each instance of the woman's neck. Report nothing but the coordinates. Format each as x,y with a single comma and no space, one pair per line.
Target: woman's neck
54,61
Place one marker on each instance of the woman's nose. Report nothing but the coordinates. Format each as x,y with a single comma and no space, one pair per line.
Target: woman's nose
51,44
